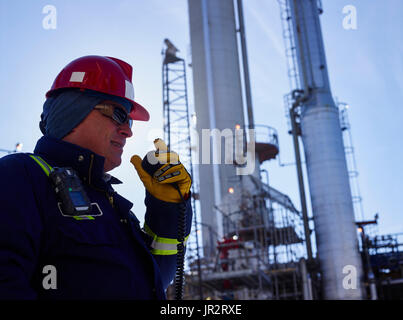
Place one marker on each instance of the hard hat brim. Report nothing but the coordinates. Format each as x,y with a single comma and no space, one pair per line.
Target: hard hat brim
139,112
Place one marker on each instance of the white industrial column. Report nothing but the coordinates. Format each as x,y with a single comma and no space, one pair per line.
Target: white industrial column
332,206
218,102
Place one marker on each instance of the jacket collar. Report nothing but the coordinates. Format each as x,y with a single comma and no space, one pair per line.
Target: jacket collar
88,165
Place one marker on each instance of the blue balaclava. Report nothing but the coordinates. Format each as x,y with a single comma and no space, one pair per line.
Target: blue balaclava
64,111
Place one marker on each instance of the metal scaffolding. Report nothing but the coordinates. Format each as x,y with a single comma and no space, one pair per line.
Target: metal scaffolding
259,256
383,263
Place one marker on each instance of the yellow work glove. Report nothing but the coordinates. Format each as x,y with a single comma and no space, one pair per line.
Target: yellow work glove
160,170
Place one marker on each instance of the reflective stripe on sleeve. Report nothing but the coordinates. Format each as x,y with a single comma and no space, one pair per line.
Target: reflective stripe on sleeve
161,245
42,163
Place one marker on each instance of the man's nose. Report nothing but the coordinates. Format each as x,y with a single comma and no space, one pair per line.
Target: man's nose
125,130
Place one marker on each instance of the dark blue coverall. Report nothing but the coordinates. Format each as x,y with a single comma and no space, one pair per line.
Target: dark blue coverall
105,257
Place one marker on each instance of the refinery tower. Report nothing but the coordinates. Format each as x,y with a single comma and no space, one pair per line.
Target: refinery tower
319,126
218,99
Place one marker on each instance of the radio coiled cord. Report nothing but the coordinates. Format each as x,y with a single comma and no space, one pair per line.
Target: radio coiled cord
180,256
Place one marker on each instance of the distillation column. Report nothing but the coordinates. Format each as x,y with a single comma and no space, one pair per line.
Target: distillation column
332,206
218,102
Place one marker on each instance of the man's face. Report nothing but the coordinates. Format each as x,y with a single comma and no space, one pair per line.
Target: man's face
103,136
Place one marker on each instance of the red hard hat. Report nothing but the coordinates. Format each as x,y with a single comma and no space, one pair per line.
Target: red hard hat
104,74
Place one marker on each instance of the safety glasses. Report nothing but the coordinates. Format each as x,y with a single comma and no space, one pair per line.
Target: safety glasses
118,114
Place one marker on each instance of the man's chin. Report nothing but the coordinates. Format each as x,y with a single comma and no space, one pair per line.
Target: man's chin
112,164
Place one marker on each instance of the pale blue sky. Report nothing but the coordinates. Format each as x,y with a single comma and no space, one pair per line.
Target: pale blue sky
365,65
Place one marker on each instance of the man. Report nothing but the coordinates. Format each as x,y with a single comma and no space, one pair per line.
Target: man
86,243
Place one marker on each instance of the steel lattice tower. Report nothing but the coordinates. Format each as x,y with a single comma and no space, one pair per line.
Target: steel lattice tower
177,128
